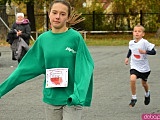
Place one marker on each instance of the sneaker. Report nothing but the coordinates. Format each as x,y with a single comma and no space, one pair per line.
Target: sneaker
133,102
147,100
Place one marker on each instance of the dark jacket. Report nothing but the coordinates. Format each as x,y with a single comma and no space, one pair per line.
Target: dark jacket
24,27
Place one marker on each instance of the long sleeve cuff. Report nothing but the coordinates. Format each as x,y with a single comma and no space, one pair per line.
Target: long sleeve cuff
73,100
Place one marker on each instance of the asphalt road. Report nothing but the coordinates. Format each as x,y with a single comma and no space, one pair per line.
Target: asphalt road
111,89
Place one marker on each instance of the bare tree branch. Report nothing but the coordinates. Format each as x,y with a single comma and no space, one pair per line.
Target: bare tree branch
75,18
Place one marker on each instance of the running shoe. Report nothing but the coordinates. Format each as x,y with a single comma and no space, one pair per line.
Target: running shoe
133,102
147,100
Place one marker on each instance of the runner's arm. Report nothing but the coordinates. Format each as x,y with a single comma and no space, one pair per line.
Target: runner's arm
152,52
129,53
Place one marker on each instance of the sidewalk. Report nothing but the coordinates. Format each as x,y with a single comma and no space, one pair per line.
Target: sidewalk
111,89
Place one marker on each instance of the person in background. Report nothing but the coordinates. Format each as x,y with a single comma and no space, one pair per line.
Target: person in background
63,57
139,48
20,28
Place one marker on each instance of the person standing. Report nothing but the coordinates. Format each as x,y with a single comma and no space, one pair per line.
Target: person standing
20,28
139,48
63,57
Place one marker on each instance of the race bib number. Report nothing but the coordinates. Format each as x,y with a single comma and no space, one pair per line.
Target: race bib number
56,77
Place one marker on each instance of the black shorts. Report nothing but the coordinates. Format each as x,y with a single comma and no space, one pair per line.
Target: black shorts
143,76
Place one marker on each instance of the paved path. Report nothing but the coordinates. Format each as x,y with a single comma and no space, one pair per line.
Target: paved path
111,89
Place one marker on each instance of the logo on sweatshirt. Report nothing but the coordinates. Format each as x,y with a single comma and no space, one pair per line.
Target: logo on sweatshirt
70,50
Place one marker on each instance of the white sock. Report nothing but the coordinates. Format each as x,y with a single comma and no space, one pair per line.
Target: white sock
147,93
134,97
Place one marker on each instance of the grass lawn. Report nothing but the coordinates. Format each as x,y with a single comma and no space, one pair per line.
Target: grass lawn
121,39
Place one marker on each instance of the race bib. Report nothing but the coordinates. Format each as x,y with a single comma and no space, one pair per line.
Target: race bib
56,77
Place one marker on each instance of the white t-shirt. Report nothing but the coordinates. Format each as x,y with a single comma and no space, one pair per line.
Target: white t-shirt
140,61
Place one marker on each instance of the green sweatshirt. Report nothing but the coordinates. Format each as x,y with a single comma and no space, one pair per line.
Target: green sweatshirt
57,50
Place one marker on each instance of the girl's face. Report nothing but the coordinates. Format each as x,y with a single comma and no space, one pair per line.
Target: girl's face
138,33
58,16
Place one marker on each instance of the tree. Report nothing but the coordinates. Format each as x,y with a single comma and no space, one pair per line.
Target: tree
30,14
132,9
4,17
77,3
